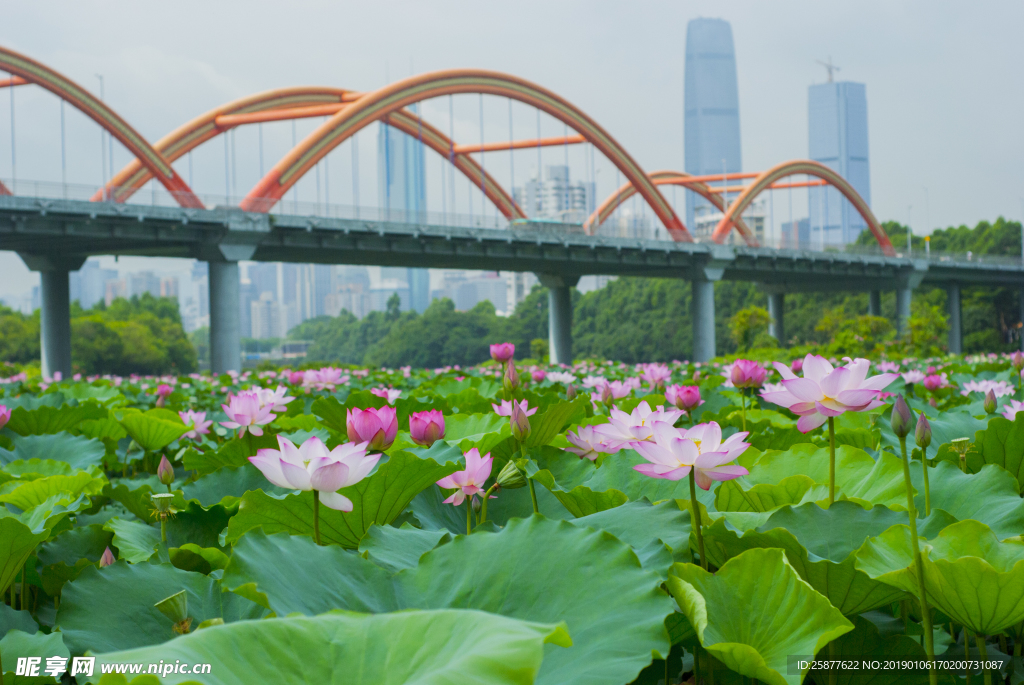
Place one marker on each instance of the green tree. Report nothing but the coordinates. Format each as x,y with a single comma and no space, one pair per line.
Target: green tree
749,328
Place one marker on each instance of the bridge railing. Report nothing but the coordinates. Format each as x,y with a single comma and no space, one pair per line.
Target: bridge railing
155,195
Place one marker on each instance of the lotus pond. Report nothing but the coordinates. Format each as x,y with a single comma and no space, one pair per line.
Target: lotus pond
515,523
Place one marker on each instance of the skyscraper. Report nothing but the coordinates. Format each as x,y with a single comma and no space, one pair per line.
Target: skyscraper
837,116
711,106
403,194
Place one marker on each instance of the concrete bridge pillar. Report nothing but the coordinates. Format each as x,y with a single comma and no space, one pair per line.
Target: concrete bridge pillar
55,314
875,303
703,320
903,310
955,327
559,316
776,303
225,324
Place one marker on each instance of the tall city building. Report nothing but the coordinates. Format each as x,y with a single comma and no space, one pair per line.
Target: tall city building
711,106
402,192
88,285
837,115
556,198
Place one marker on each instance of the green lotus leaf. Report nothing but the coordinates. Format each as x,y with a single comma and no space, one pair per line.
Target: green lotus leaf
17,643
990,496
135,541
190,557
31,469
78,451
482,431
396,548
798,489
533,569
946,425
448,645
820,544
858,475
432,513
379,499
65,555
755,612
29,494
584,489
17,541
13,619
154,429
552,420
969,574
865,641
127,595
107,427
233,453
1001,443
659,534
46,420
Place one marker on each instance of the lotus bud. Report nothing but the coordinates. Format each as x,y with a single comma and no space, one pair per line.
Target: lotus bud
165,472
923,433
5,415
511,377
900,420
570,392
933,403
426,427
1017,359
477,505
107,559
502,352
175,608
990,402
520,422
511,477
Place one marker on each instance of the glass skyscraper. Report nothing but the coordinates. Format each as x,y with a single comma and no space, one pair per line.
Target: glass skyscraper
403,194
837,116
711,106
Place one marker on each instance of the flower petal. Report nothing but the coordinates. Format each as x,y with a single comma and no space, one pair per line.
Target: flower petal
333,500
329,478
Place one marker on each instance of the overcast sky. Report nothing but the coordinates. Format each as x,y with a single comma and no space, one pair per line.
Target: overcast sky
943,82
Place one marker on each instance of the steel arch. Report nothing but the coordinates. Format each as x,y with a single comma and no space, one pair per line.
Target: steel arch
379,104
810,168
663,177
63,87
190,135
4,190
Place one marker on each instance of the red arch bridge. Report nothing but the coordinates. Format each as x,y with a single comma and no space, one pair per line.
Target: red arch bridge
54,235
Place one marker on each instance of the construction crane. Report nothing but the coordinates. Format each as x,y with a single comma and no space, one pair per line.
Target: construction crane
829,67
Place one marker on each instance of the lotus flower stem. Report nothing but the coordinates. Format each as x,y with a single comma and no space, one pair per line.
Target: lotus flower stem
316,517
927,490
831,460
695,520
483,506
533,495
163,529
926,619
967,653
743,407
469,515
983,653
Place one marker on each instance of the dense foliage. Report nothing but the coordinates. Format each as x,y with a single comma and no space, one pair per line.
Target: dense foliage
142,335
155,521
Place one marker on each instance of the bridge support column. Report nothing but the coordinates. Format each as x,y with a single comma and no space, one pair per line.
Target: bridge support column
559,316
903,311
225,324
955,327
703,320
55,309
777,329
875,303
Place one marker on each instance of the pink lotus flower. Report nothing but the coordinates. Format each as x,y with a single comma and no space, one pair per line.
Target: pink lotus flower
797,365
505,409
312,467
326,378
1011,408
622,429
246,413
656,375
390,394
538,375
935,381
5,415
468,482
377,427
587,443
162,391
197,420
747,374
1000,388
825,391
502,352
275,399
107,558
562,377
913,376
888,367
685,397
426,427
673,453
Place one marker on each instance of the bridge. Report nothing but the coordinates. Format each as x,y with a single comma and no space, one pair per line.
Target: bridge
54,235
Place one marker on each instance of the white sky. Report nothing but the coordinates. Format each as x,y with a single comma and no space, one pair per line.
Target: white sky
943,85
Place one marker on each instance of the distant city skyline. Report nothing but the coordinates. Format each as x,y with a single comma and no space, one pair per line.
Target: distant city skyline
938,156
